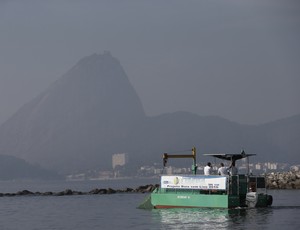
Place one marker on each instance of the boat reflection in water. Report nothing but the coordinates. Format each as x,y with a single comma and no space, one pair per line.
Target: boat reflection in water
211,218
192,218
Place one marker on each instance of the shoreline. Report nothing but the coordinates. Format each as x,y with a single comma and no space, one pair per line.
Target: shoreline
283,180
289,180
97,191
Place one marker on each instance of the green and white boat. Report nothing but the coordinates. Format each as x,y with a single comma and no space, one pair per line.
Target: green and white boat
213,191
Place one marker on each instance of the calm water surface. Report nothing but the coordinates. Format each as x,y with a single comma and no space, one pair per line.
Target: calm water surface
118,211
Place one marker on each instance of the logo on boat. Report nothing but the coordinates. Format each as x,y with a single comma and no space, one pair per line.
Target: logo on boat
176,180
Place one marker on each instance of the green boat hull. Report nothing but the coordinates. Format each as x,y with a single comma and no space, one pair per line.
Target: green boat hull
160,199
235,195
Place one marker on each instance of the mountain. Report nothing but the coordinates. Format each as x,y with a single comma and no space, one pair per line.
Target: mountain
93,111
281,138
276,141
79,121
12,168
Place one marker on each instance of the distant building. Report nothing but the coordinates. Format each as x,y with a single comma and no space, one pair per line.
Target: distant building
119,159
169,170
272,166
258,166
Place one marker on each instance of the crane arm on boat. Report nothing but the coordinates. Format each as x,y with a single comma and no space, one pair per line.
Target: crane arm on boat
166,156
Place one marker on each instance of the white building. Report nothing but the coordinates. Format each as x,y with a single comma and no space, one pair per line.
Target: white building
120,159
258,166
272,166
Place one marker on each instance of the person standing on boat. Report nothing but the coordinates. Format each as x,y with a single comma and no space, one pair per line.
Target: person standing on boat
223,171
232,169
208,169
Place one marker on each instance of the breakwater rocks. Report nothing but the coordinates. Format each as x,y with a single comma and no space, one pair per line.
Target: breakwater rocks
274,180
283,180
69,192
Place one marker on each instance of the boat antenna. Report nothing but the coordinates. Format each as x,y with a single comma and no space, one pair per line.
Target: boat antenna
248,169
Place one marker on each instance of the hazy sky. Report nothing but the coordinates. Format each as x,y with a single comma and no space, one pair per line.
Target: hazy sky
236,59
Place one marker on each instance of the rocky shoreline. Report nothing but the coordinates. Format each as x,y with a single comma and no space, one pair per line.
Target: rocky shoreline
277,180
68,192
283,180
